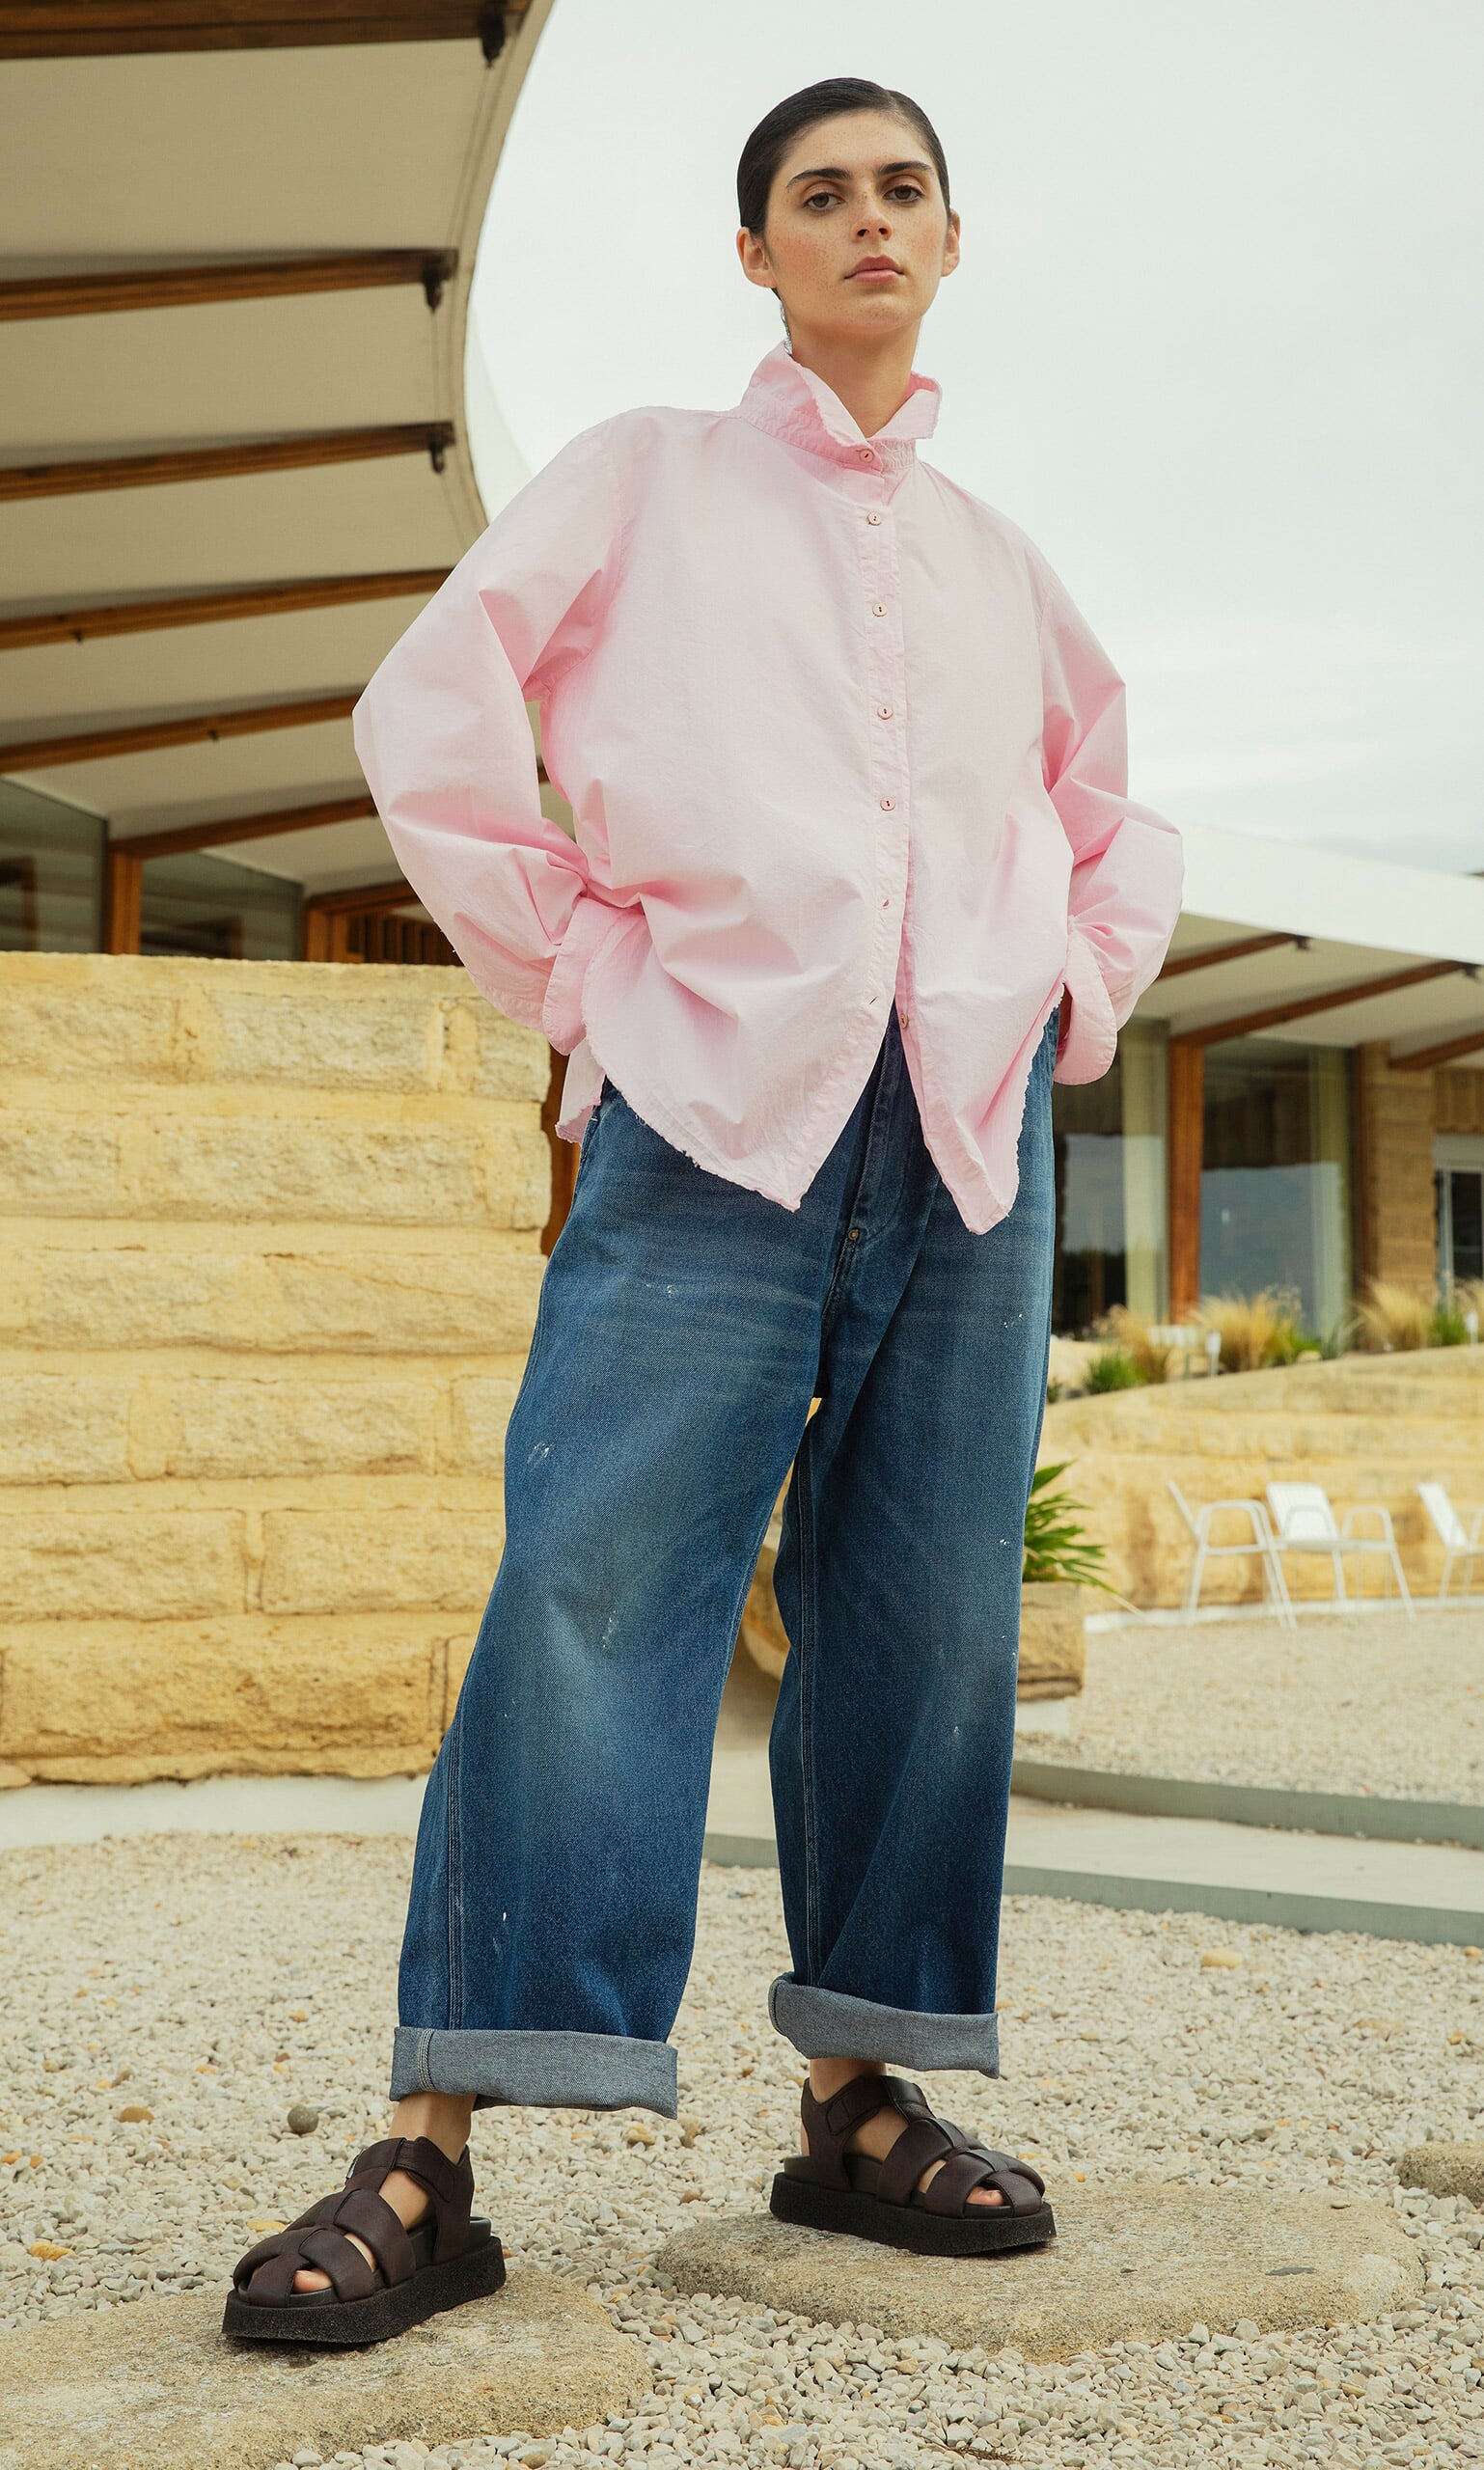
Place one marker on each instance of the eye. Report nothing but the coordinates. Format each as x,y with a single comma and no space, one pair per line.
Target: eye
821,197
905,189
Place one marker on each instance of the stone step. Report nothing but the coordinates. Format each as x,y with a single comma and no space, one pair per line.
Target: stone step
1130,2260
154,2386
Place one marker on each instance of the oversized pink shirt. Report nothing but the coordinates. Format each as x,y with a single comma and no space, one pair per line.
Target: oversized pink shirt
834,738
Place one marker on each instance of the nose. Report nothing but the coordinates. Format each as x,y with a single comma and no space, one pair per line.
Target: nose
873,220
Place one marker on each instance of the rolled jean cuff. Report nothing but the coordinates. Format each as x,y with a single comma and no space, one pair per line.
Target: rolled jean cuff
558,2071
825,2023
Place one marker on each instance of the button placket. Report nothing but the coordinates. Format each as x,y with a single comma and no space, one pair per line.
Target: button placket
884,684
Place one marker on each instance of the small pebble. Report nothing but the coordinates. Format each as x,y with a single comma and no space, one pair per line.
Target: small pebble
303,2118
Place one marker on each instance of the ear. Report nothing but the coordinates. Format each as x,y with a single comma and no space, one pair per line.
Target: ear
755,263
950,247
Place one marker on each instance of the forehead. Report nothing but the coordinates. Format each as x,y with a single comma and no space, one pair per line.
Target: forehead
855,142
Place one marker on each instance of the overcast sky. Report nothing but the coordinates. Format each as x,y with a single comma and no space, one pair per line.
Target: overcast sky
1214,342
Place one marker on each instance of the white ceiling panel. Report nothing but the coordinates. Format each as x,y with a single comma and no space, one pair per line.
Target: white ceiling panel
251,659
344,519
141,381
342,147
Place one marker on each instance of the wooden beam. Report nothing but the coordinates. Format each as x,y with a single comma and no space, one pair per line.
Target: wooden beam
96,746
83,29
564,1153
363,900
94,295
1449,1051
83,474
122,894
209,608
247,827
1214,953
1303,1007
1186,1152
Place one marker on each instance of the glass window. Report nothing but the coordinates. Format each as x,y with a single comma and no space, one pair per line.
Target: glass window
51,874
1109,1138
1459,1160
1275,1207
225,912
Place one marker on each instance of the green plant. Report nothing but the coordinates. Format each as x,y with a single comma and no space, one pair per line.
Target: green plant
1447,1326
1339,1339
1114,1368
1056,1391
1058,1545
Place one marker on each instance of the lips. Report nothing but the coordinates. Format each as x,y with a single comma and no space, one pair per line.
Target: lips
874,266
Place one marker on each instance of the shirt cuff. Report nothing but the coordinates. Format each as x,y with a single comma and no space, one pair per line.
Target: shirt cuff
561,1012
1089,1038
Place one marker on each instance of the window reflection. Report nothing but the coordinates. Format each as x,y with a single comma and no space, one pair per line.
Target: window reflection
1275,1205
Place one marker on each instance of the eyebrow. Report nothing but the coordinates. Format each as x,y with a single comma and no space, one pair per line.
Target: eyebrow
833,172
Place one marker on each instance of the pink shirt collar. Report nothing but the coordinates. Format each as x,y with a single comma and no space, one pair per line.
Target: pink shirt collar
788,400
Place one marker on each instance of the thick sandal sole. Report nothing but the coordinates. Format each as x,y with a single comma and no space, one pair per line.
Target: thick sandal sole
900,2225
345,2324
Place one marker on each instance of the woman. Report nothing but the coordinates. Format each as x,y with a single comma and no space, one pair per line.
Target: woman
855,877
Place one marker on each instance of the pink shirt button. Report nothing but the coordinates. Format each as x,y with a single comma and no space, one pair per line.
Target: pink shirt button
878,608
887,804
884,711
873,518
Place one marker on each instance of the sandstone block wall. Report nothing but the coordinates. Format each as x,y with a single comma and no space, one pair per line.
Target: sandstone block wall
1396,1206
1369,1428
269,1260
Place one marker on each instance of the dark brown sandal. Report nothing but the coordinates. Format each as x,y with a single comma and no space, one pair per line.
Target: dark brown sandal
828,2189
448,2257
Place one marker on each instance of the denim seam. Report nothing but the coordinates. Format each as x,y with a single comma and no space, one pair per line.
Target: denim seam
804,1649
456,1910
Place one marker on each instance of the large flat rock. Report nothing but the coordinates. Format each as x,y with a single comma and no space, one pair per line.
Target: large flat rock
154,2386
1445,2170
1132,2262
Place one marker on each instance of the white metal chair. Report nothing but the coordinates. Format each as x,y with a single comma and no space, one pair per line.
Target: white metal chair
1274,1586
1303,1521
1460,1543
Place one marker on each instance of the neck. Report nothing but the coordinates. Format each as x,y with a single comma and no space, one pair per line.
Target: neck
869,373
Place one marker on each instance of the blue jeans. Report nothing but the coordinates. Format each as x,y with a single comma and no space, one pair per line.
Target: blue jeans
684,1326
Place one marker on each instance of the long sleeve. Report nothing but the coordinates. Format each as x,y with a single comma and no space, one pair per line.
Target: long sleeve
443,739
1127,867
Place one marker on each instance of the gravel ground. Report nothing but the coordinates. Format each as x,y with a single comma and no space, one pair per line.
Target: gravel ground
1370,1704
212,1982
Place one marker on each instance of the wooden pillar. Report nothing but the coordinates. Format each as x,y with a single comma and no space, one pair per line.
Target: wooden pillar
326,933
123,898
1187,1132
563,1154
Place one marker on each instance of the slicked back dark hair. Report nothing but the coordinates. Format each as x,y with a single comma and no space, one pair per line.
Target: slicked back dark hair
776,132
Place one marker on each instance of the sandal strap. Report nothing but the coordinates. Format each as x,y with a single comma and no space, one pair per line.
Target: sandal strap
328,2250
449,2185
925,2138
830,2124
916,2148
318,2240
317,2237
